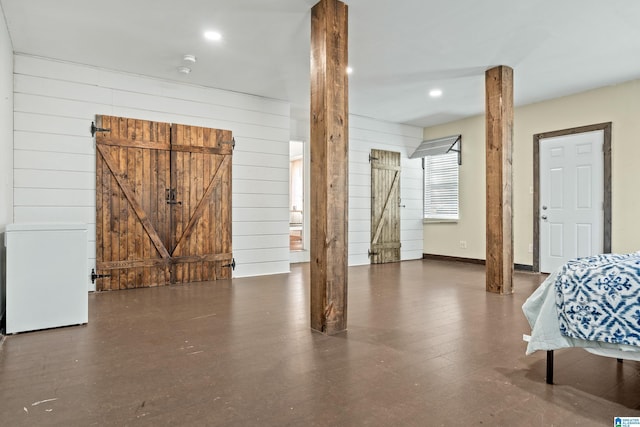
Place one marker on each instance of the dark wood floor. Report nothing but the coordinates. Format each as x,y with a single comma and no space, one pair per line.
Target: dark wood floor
426,346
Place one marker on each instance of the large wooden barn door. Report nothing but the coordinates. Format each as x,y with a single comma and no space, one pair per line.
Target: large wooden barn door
163,203
385,206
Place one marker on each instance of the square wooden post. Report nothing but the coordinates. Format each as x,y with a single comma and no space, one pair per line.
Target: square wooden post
329,166
499,149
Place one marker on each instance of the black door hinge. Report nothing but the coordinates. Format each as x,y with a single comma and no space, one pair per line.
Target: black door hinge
95,276
95,129
232,264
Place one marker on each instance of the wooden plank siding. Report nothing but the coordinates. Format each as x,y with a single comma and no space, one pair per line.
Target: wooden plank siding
55,166
54,155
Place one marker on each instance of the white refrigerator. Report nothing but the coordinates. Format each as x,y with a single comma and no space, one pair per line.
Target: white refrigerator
46,276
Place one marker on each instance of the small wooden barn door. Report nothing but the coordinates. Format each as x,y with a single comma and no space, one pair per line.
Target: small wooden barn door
132,221
163,203
385,206
201,213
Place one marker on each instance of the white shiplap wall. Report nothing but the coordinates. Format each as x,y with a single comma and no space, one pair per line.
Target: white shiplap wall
366,134
6,144
54,153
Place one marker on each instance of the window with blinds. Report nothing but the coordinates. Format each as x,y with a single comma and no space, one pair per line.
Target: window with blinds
441,186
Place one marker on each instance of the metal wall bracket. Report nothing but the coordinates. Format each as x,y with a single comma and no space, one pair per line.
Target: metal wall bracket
95,129
372,158
459,154
370,254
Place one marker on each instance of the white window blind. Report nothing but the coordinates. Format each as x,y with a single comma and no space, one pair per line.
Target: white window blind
441,186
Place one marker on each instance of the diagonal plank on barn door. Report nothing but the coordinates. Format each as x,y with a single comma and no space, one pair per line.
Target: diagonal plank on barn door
201,216
121,179
132,230
201,206
385,206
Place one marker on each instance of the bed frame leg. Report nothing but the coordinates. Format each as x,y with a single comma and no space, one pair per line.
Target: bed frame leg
549,366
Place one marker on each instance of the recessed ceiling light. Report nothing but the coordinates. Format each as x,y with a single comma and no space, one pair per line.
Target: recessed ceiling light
184,70
213,35
435,93
190,58
349,70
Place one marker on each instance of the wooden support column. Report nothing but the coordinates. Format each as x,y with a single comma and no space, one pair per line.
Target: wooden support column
329,166
499,101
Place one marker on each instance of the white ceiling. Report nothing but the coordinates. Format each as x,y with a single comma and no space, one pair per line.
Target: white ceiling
399,49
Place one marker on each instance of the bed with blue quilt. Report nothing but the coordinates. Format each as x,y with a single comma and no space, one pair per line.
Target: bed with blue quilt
591,302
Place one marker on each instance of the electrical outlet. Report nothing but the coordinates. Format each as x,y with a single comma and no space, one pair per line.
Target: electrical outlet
463,244
530,248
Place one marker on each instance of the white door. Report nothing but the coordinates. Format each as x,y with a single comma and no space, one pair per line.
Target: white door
571,198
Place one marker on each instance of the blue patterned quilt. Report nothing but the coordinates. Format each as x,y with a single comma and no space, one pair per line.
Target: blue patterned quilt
598,298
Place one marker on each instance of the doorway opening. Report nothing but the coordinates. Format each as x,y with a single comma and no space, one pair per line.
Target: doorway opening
541,210
296,196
